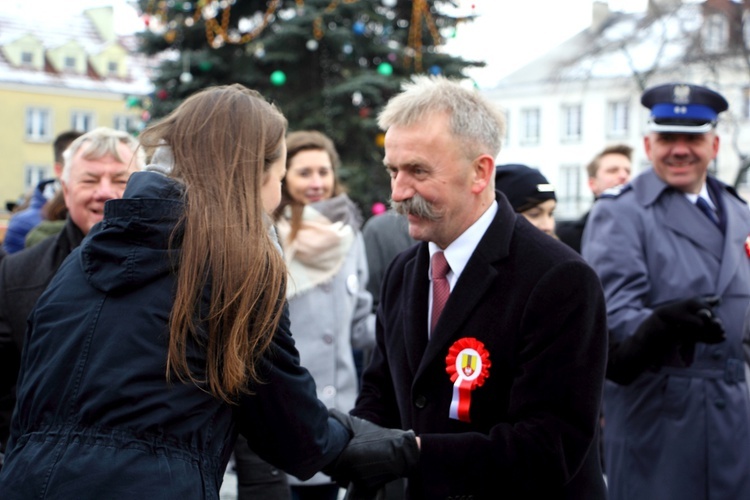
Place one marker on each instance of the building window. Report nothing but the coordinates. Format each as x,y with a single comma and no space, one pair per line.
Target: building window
569,199
530,126
33,175
619,118
112,67
571,122
37,124
27,58
69,63
715,33
123,123
82,120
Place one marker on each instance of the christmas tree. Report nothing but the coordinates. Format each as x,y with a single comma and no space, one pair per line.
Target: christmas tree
329,65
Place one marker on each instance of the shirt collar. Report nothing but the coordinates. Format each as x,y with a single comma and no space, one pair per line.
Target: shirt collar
459,252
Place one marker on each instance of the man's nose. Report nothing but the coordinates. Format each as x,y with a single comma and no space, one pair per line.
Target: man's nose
105,190
680,147
401,188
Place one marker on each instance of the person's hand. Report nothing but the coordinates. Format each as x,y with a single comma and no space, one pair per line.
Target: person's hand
669,333
374,456
689,320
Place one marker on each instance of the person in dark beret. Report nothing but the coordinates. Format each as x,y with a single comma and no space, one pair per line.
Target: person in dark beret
529,193
670,250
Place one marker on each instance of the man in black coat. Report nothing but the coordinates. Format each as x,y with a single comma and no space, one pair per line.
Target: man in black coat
97,167
503,387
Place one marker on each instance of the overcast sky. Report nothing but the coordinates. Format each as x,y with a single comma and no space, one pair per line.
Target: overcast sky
506,34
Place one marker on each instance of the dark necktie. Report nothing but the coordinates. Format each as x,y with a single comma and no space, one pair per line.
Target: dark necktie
704,207
440,287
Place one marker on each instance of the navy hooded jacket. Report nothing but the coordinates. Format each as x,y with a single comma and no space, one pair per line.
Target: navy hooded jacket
95,416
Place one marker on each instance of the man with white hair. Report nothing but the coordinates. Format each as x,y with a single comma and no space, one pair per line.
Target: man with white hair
96,168
491,335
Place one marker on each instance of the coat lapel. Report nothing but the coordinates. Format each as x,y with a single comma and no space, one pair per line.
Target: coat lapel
684,218
734,213
415,306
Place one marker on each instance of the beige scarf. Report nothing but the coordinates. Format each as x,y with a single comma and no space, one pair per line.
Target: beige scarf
317,252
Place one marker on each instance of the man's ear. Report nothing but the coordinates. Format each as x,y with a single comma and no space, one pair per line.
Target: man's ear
484,171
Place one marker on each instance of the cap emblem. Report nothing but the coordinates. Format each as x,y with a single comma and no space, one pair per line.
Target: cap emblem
680,110
681,94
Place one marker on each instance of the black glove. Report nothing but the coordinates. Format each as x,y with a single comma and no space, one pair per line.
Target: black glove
690,320
671,330
374,456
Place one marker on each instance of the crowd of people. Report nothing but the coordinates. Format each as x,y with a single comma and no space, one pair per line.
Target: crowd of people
167,303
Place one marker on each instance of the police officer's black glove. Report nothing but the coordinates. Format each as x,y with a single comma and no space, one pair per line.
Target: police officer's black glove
676,326
374,456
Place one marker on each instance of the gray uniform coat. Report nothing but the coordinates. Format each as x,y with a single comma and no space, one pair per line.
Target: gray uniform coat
677,432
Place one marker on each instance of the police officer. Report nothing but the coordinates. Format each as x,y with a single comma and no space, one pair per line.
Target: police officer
670,250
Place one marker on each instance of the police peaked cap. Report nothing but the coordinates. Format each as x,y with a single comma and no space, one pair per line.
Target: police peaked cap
683,108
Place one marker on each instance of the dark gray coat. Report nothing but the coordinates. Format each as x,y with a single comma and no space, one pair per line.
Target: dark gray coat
23,277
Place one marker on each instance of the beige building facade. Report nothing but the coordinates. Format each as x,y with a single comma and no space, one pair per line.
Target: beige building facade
58,75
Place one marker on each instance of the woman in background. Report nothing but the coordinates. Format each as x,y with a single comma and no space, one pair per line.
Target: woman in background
329,305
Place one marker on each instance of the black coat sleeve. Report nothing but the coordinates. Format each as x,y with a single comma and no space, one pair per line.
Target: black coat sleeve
284,421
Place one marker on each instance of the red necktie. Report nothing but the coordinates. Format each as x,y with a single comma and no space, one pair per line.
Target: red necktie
440,287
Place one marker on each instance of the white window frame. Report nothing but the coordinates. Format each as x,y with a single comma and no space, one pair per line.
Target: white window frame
715,33
34,174
38,123
618,118
531,122
572,122
82,120
123,123
568,189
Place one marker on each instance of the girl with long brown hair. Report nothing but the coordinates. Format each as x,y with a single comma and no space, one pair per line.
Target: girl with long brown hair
166,332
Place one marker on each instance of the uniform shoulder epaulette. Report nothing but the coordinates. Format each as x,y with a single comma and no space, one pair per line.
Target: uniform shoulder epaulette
616,191
734,193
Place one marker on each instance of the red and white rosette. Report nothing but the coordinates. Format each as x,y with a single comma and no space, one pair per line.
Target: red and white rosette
747,246
468,364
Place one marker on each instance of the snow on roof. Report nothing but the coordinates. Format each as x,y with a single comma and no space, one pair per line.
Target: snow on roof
56,28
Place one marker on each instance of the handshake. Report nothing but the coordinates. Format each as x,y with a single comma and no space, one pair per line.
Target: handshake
373,457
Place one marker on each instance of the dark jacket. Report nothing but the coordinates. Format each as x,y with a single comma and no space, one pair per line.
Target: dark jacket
538,311
96,417
571,232
23,277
